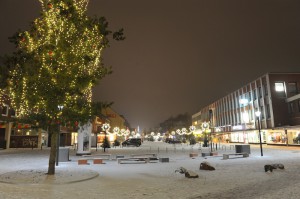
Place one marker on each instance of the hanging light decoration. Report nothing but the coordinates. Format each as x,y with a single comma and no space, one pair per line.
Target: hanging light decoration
178,131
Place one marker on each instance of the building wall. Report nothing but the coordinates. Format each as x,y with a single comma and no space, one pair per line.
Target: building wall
282,117
239,120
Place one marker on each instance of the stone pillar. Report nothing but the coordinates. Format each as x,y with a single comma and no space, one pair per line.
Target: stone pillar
40,141
8,133
84,139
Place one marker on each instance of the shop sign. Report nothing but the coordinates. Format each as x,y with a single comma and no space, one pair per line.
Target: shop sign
238,127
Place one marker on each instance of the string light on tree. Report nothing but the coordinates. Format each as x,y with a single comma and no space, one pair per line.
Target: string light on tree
58,61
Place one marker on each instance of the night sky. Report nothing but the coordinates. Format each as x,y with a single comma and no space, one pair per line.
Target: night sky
181,55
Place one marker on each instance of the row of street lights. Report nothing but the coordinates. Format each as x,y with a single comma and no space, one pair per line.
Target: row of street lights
183,131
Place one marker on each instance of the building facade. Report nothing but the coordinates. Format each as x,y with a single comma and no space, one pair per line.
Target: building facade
275,96
17,135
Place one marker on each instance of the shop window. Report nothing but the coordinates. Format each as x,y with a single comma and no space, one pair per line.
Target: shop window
296,138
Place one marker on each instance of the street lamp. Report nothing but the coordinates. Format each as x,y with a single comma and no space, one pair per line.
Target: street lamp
60,108
205,126
258,113
105,128
211,126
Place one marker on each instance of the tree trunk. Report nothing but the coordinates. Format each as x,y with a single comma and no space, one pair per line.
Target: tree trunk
52,157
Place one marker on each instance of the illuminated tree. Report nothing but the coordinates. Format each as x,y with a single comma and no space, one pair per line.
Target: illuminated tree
57,62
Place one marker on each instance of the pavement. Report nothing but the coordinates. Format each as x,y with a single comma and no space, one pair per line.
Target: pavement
27,166
65,172
22,168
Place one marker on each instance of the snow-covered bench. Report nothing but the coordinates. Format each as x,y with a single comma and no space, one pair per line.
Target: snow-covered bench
107,156
133,160
226,155
144,155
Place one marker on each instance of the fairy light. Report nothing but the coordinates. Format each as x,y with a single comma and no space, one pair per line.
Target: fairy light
69,57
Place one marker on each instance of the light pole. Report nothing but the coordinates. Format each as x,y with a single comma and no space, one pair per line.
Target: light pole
211,127
205,126
60,108
258,113
105,128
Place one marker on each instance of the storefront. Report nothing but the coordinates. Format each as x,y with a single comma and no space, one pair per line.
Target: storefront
284,136
24,138
251,137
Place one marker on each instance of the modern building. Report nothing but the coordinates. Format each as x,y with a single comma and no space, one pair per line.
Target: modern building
274,97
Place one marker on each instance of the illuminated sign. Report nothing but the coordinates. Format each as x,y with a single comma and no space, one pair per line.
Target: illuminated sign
238,127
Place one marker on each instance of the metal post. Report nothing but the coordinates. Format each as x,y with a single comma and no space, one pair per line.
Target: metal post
96,141
104,143
57,145
261,151
211,128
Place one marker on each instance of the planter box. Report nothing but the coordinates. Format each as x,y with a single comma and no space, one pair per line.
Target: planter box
193,155
98,161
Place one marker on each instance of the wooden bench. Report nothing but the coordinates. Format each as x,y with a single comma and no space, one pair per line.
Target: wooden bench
133,160
226,156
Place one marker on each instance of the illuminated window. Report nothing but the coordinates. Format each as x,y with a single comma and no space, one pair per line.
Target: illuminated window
279,86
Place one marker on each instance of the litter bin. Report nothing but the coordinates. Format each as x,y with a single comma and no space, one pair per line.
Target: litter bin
242,148
63,155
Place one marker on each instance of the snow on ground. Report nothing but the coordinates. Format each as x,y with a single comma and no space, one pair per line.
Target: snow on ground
22,175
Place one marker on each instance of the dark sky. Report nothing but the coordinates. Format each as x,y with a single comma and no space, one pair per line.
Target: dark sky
181,55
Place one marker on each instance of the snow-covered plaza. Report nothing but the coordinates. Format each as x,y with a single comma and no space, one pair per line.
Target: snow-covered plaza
22,174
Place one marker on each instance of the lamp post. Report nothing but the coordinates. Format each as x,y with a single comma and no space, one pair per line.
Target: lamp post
60,108
205,126
211,127
105,128
258,113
